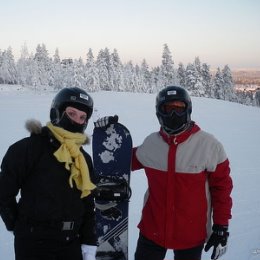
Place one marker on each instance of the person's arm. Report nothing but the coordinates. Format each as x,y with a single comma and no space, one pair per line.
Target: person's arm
136,165
13,164
88,236
220,186
88,229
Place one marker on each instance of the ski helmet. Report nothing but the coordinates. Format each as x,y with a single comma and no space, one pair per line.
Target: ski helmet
173,122
75,97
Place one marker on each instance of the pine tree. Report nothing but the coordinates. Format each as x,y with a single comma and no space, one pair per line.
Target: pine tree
181,75
191,77
43,65
79,73
198,87
206,79
129,78
91,73
102,63
67,72
57,72
167,68
218,85
116,71
23,67
145,77
8,74
228,84
155,79
257,97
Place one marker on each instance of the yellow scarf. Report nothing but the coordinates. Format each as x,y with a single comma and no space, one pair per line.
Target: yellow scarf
69,153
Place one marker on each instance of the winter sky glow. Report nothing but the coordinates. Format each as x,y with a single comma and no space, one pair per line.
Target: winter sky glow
219,32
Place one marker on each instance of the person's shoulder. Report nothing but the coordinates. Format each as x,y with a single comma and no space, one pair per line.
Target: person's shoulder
207,137
153,135
152,139
206,134
36,133
20,142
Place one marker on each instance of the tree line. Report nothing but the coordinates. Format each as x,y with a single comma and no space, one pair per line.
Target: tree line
106,72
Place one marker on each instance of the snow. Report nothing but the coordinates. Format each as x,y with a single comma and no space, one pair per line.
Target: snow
235,125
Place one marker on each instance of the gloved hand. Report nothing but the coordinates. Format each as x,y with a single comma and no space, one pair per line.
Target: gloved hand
106,121
88,252
218,240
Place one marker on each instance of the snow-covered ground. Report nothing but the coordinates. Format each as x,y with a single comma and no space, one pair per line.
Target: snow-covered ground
236,126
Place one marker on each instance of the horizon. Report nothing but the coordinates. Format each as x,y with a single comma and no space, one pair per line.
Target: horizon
234,69
219,33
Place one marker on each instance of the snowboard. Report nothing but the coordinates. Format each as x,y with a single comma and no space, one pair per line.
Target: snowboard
112,151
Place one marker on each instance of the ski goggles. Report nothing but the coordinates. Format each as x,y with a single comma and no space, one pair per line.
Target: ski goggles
179,107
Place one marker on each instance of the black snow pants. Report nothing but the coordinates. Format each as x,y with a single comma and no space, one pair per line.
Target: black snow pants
148,250
40,243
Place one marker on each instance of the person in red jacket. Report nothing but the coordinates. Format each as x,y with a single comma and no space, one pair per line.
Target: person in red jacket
189,185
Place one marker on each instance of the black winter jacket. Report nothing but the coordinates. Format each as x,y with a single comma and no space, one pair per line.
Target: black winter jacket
29,167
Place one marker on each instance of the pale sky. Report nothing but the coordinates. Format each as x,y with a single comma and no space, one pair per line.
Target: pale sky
220,32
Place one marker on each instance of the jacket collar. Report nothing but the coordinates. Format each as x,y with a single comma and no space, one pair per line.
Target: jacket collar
181,137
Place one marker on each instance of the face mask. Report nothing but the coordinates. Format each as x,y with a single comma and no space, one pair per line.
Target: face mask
71,126
174,123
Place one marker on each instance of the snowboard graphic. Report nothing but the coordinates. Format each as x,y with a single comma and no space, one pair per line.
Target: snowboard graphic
112,149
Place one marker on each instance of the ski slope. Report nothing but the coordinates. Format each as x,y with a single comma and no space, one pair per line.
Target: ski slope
236,126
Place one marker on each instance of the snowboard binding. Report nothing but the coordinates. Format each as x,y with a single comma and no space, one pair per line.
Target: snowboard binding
112,189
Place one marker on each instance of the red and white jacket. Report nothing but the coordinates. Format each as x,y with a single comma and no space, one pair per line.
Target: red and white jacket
188,179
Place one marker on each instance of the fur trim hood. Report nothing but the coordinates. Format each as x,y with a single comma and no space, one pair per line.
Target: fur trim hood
34,126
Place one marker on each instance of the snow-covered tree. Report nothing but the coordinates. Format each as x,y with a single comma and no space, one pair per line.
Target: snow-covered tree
68,72
181,75
102,63
23,67
91,73
1,61
8,74
206,79
167,67
228,83
57,71
218,85
43,65
197,64
257,97
116,71
198,87
129,77
191,77
145,75
79,73
155,79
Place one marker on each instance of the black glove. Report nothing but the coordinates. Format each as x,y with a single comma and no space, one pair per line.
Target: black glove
218,240
106,121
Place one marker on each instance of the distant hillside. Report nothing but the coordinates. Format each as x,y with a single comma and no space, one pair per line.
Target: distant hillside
246,77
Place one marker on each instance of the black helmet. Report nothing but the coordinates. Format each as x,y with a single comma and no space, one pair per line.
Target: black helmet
74,97
173,122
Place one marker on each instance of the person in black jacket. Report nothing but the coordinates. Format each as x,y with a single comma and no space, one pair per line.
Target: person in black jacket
46,184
